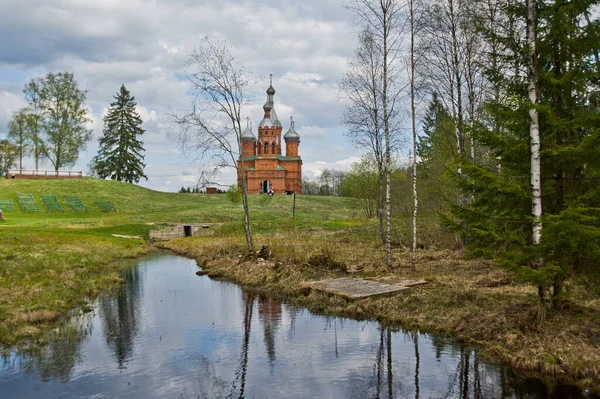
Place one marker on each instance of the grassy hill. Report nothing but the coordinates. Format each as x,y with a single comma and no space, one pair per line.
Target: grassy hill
138,205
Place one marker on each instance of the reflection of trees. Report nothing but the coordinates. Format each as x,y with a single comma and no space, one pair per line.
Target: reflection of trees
119,314
56,360
383,364
417,363
269,312
240,373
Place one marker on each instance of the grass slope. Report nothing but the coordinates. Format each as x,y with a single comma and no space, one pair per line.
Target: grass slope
138,205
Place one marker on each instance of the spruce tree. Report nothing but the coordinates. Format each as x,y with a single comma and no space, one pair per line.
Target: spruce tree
120,156
498,217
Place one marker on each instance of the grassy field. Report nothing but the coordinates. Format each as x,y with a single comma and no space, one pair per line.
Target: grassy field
53,263
137,205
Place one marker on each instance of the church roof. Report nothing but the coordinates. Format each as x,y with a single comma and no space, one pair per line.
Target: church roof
291,134
273,120
247,134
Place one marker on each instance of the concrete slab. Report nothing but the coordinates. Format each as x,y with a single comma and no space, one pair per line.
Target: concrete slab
357,288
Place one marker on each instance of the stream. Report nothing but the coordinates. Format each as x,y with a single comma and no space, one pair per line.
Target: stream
168,333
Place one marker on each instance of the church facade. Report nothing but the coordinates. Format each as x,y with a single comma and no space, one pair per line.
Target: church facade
266,168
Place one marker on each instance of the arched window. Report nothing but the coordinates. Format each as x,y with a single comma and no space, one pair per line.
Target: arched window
266,149
274,152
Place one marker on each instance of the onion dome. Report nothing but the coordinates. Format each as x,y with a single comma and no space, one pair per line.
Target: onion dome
291,134
271,90
268,106
247,134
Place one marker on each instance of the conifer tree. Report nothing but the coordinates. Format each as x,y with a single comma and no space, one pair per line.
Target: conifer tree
499,217
120,156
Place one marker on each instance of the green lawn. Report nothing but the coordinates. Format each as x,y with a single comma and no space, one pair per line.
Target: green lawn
138,205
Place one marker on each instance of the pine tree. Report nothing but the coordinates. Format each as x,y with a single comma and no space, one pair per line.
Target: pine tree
120,156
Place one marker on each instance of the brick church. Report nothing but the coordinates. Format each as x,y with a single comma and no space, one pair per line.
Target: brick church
266,167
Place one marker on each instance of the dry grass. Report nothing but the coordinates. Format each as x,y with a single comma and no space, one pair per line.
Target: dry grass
471,299
35,317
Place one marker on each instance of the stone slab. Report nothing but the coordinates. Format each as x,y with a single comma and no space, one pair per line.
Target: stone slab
357,288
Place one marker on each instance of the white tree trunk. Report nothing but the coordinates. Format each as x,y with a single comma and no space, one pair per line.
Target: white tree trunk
388,160
414,133
534,126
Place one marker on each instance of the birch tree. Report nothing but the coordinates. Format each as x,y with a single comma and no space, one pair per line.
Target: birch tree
63,118
413,117
383,19
32,95
211,130
534,129
362,86
20,132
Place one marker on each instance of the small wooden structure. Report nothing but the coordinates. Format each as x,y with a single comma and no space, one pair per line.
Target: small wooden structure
211,190
43,174
357,288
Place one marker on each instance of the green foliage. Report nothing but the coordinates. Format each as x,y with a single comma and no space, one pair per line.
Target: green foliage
496,220
120,156
8,155
234,194
62,117
21,132
362,183
437,169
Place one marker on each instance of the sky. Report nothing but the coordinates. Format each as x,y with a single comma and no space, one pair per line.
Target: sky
306,45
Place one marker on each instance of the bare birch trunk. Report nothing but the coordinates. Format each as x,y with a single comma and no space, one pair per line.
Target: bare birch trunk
534,131
247,228
388,161
381,212
414,132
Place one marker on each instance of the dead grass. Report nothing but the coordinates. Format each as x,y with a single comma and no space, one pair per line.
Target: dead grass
35,317
471,299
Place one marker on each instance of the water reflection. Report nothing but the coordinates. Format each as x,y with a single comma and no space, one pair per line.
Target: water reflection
119,315
269,313
168,333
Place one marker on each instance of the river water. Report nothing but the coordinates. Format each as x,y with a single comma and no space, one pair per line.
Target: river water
168,333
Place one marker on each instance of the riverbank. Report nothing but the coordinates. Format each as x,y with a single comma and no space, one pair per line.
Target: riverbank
47,273
473,300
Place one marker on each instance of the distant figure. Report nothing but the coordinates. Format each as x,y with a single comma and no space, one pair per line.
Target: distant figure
271,193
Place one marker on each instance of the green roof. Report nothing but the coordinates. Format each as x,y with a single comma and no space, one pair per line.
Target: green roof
284,158
280,168
279,157
252,168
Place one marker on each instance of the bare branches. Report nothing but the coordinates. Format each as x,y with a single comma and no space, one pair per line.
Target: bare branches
211,129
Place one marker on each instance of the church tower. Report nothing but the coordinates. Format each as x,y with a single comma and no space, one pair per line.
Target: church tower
266,168
269,130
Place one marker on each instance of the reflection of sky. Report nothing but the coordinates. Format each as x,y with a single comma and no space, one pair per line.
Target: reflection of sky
188,343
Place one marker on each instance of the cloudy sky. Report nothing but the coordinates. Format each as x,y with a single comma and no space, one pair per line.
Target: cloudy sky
143,44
